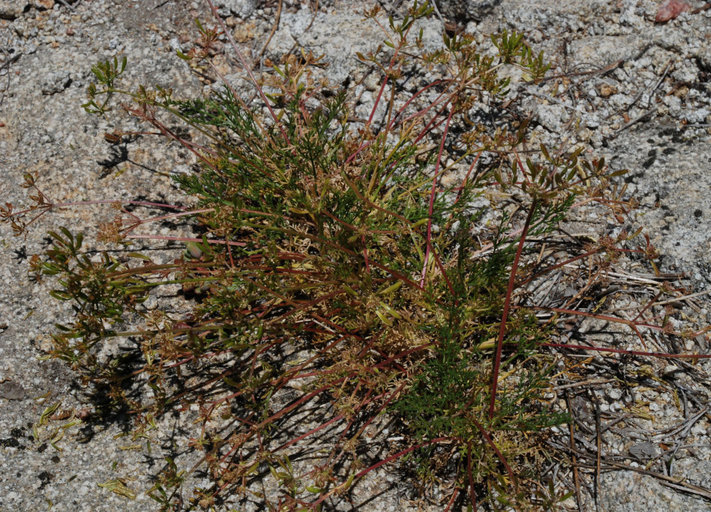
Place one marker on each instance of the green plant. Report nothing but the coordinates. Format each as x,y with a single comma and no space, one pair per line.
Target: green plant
375,268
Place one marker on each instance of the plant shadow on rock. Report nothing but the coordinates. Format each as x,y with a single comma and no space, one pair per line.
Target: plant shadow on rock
350,275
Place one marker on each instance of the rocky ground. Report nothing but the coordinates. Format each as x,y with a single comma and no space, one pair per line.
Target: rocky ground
635,91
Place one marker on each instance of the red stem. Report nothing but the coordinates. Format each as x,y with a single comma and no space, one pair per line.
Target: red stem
248,69
391,458
184,239
451,500
433,193
498,453
51,206
630,323
630,352
507,307
470,476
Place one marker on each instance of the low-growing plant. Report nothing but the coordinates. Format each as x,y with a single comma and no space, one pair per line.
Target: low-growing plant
347,272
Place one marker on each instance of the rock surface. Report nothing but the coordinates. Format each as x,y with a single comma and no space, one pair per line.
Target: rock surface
621,85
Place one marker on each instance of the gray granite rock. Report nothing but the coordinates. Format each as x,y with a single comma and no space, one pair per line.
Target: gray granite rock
12,9
55,82
241,8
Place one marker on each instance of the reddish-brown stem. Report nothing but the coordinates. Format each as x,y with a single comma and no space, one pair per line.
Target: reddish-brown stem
460,189
185,239
365,253
149,117
633,325
520,166
248,69
498,453
380,95
451,500
400,454
434,123
402,354
367,201
470,476
433,193
378,464
394,122
647,306
164,217
310,432
51,206
354,228
507,307
286,300
443,97
297,403
393,59
664,355
558,265
309,304
438,261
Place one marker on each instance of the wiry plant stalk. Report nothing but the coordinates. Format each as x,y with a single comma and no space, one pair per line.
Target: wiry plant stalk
433,193
507,305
